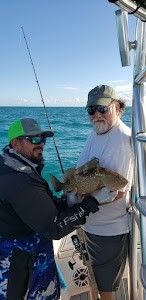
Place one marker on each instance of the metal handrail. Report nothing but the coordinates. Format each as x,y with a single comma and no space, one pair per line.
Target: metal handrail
138,127
131,7
139,145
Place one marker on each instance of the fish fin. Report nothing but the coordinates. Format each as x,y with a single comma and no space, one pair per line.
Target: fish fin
94,160
57,185
69,174
98,168
85,172
88,168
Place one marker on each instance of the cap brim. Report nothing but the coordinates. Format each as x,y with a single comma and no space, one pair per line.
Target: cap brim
44,133
99,101
47,133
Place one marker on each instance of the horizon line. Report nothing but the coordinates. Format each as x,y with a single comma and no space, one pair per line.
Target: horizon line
36,106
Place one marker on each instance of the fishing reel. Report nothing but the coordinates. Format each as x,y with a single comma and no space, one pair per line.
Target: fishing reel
80,249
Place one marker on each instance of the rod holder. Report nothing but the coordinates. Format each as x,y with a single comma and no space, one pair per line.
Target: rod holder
122,31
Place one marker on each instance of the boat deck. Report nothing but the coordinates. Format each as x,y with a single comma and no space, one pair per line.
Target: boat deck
77,287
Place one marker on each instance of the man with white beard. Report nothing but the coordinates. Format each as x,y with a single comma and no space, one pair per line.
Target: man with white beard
107,235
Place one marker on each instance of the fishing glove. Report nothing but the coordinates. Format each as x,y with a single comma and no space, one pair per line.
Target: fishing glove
90,204
72,217
88,201
104,195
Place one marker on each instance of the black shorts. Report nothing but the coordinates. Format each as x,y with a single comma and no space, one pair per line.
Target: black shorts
108,257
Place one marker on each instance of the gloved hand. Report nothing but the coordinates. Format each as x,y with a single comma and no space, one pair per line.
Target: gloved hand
89,204
104,195
72,198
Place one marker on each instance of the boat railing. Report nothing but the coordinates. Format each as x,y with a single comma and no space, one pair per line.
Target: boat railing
138,208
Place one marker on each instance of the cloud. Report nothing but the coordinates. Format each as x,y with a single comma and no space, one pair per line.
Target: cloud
79,101
122,88
125,92
116,81
25,101
65,87
72,102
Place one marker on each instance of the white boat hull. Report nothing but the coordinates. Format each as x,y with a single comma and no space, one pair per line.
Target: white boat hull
74,272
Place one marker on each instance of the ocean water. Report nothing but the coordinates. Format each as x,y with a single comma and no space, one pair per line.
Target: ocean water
70,126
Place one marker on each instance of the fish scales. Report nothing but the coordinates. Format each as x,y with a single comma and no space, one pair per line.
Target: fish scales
88,178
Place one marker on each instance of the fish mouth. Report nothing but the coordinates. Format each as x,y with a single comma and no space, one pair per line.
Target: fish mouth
117,187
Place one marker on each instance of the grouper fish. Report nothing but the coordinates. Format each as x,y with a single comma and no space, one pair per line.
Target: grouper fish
88,178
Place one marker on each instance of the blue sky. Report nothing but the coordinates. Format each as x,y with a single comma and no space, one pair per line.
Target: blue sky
74,48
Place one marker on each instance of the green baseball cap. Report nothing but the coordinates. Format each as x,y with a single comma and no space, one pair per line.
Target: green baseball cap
101,95
26,127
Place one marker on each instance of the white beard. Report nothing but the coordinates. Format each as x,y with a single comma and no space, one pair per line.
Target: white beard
100,127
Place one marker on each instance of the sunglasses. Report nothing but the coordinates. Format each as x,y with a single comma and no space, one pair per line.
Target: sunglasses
91,110
35,140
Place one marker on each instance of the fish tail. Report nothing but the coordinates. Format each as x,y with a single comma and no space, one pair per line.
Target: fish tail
57,185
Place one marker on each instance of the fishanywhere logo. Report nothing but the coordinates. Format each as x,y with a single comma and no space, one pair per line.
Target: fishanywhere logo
68,220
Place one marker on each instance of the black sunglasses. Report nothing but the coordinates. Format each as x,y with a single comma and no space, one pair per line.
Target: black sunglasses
35,140
103,109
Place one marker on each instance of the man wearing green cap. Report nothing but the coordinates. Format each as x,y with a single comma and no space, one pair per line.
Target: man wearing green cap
107,234
30,217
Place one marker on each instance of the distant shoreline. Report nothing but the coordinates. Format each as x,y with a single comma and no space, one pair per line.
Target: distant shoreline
14,106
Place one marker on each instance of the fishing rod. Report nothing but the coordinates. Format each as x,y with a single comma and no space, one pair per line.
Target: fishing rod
42,99
94,288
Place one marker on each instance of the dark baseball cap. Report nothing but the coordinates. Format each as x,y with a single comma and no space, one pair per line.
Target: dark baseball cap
26,127
101,95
